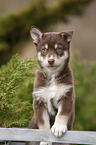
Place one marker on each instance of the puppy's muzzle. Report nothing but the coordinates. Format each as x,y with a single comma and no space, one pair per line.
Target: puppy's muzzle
51,61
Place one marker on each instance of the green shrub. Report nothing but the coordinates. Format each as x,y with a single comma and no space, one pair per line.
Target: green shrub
85,88
16,83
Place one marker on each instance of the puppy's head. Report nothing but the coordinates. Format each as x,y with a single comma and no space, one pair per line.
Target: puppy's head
52,49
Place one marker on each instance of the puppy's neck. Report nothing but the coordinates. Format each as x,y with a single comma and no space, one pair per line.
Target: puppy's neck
57,74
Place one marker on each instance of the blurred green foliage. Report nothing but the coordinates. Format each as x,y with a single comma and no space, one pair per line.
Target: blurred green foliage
16,81
85,88
16,85
16,27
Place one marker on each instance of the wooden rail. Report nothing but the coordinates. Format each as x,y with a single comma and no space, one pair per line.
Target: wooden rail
21,134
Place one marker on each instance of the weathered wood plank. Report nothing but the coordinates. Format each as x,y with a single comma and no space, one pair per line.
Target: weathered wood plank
15,143
19,134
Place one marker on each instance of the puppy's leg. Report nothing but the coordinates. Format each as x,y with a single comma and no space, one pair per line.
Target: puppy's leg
71,121
60,125
42,117
40,122
64,112
44,125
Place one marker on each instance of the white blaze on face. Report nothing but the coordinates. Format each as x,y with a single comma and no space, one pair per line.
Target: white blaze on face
51,57
46,46
59,61
56,45
43,60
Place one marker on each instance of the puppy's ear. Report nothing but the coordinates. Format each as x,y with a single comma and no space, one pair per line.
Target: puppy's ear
67,36
36,34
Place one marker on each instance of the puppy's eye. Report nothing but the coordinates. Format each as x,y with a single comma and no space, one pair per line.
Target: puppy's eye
43,51
59,50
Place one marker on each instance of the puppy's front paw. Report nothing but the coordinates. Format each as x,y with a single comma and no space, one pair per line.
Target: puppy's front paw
58,130
45,143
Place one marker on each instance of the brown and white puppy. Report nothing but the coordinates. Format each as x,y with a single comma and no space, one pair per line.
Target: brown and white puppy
53,94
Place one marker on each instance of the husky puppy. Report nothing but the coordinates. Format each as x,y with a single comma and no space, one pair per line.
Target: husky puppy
53,93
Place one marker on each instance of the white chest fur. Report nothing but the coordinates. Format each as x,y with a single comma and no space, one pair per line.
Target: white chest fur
53,91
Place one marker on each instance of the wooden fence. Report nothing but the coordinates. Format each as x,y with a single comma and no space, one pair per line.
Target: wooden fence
21,134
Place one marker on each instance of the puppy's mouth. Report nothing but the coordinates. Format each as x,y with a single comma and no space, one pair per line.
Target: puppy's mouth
53,67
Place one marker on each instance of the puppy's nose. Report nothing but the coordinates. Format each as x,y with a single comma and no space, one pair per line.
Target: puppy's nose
51,61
